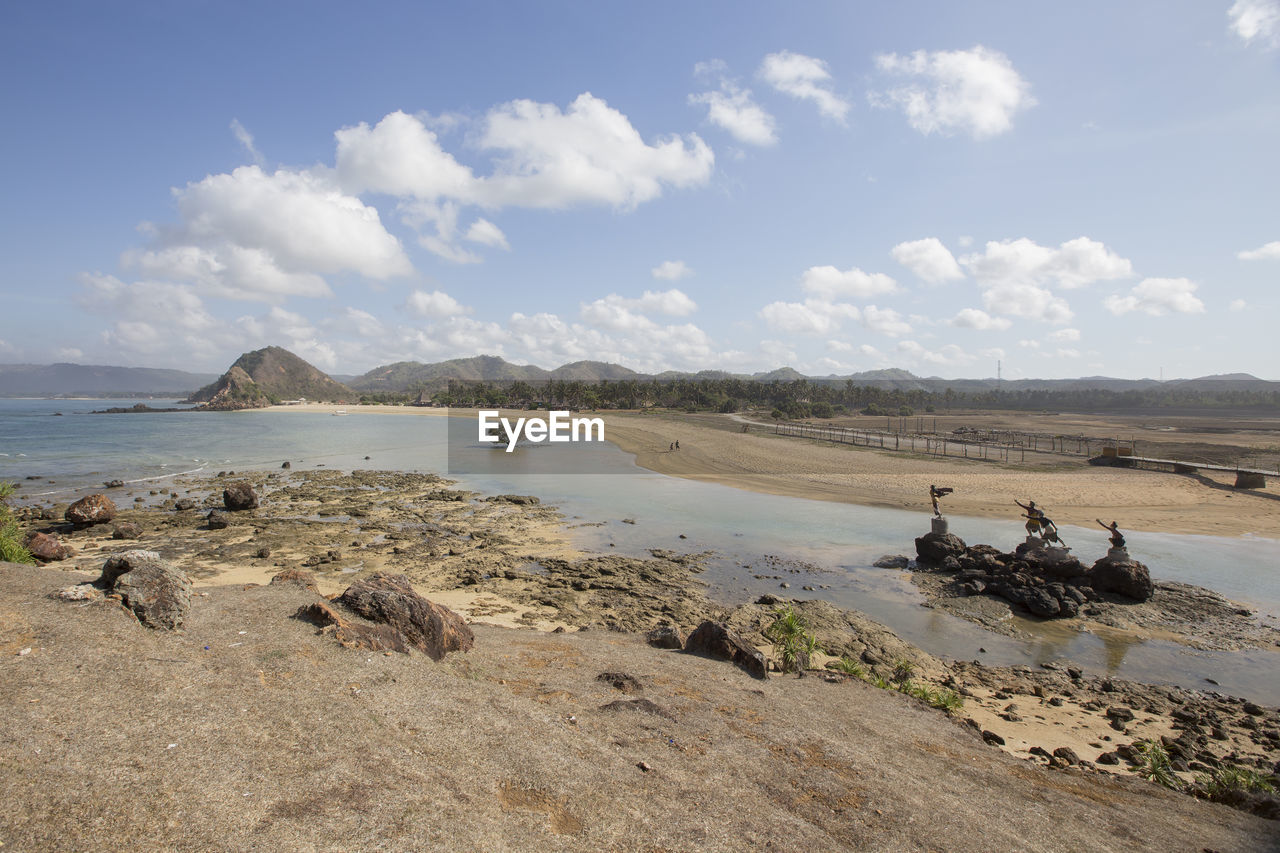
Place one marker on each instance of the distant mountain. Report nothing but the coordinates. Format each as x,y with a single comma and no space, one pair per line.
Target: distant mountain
269,375
782,374
406,375
89,380
592,371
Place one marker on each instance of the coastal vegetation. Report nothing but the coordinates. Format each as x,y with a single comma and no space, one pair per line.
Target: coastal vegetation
11,547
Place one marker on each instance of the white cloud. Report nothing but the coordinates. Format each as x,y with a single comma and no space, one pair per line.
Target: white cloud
1157,297
803,77
245,138
949,355
839,346
1238,305
435,304
1075,263
733,109
587,154
974,91
227,270
809,317
399,156
671,270
302,220
619,312
485,233
886,321
1256,19
150,317
1026,301
928,259
827,282
972,318
1029,343
1066,352
1064,335
1271,251
294,331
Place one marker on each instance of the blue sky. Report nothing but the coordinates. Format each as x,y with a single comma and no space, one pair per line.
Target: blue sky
1071,189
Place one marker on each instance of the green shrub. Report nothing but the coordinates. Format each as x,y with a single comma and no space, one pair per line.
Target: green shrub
849,666
11,548
1154,764
790,639
1223,782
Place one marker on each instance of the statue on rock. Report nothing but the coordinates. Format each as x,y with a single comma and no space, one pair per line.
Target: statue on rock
934,494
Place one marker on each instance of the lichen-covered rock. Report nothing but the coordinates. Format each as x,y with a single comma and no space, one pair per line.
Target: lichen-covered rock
239,496
717,640
91,509
391,600
665,637
157,592
44,547
126,530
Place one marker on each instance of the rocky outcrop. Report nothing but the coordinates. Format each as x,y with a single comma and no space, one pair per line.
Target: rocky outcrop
665,637
217,520
157,592
296,577
1122,575
390,600
934,548
716,640
91,509
258,378
352,634
44,547
239,496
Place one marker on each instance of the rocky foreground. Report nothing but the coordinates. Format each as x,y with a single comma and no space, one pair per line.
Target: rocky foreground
504,558
250,728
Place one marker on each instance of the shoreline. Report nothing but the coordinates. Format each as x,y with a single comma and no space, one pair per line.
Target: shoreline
1076,493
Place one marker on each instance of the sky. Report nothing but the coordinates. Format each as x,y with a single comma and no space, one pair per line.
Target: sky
1051,190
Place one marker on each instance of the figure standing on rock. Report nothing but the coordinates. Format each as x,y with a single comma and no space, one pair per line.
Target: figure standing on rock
1033,515
1117,538
934,494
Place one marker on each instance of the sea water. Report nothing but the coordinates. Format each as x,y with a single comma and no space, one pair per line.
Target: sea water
831,545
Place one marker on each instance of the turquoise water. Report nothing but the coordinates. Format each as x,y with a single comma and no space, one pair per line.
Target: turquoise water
834,544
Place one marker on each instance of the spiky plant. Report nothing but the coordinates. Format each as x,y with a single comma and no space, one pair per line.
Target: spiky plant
849,666
1154,764
1223,782
903,669
11,548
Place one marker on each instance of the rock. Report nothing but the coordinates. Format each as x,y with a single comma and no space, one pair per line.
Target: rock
666,637
353,635
1067,754
286,465
262,553
1108,758
1039,602
933,548
239,496
91,509
642,705
390,599
157,592
992,738
44,547
113,484
518,500
79,592
717,640
1128,578
892,561
217,520
620,681
296,577
184,504
1121,713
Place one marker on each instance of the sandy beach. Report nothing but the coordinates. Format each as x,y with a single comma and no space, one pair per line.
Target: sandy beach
714,449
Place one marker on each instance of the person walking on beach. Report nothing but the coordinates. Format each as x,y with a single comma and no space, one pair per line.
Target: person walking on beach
1117,538
672,448
677,444
1033,516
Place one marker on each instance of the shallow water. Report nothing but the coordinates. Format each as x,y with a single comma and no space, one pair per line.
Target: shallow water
839,541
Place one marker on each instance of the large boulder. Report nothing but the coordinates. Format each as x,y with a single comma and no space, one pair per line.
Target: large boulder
350,633
239,496
666,637
717,640
91,509
934,548
1125,577
44,547
431,628
217,520
157,592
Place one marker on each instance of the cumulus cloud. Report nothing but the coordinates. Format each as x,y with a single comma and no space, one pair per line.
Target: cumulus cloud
972,318
806,78
975,91
435,304
671,270
227,270
245,138
485,233
809,317
949,355
827,282
297,333
150,317
886,321
399,156
1271,251
733,109
1076,263
928,259
586,154
1256,19
1158,297
1026,301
